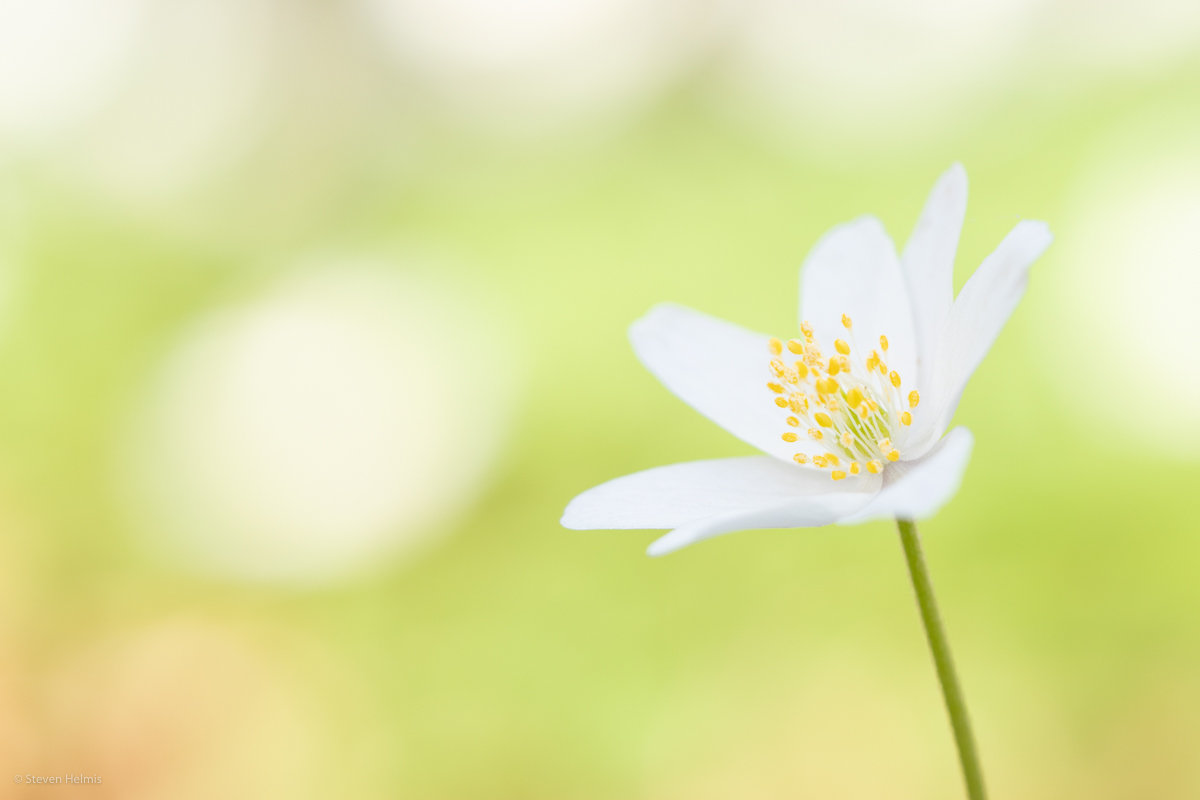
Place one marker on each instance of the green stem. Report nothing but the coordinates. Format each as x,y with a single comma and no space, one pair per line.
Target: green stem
940,646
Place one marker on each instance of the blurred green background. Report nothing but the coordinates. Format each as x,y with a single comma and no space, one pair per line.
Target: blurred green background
312,319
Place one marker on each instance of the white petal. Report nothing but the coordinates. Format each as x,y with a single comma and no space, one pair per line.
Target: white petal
928,265
705,498
717,368
917,489
976,319
853,270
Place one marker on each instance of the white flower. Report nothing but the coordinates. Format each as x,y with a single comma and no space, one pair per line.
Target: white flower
851,415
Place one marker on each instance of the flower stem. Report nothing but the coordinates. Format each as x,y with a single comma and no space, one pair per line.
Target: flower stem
940,646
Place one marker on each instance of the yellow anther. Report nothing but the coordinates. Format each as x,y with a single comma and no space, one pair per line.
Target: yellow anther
846,321
795,423
874,467
775,387
775,346
837,474
842,346
777,368
807,329
884,445
895,378
854,397
863,410
797,404
827,386
790,437
781,402
914,397
800,458
790,375
831,402
832,459
835,366
845,362
874,406
854,468
872,361
906,418
846,439
816,434
819,461
883,370
801,370
823,420
795,345
883,343
894,455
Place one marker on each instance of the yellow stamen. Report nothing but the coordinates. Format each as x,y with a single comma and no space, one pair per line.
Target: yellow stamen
874,467
883,342
854,397
801,370
823,420
837,474
832,459
894,455
816,434
775,346
845,362
841,346
775,387
807,329
846,321
790,375
795,345
827,386
800,458
914,397
906,418
835,366
884,445
781,402
795,423
854,468
790,437
777,368
819,461
847,439
895,378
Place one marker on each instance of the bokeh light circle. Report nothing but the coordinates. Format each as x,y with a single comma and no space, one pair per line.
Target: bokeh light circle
527,67
866,73
197,99
60,60
1124,297
305,436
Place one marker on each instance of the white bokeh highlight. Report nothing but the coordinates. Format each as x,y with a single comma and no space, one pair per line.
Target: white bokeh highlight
61,60
311,434
1130,37
533,66
866,72
1125,294
196,100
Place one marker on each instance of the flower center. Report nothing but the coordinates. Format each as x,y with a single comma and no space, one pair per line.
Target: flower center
850,409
